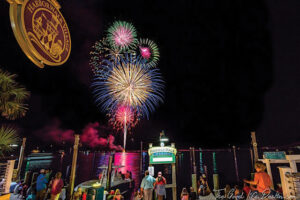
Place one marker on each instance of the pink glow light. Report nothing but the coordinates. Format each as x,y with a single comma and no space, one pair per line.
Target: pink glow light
145,52
123,36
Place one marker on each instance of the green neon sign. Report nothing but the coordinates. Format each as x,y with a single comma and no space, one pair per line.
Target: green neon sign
162,155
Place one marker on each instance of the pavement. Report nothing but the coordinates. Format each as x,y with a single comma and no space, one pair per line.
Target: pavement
15,197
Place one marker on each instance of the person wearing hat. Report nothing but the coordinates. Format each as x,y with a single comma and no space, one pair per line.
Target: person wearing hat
160,183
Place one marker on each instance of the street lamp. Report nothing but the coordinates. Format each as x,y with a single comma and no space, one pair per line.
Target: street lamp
163,139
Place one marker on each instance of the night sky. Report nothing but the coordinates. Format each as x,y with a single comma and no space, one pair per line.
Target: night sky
229,66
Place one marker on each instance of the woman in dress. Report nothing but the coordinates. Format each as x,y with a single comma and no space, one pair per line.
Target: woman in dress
160,183
56,186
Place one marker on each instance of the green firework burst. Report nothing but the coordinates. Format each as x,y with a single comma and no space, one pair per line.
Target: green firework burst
121,35
148,50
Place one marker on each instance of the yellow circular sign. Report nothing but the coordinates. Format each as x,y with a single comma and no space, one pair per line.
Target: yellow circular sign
41,31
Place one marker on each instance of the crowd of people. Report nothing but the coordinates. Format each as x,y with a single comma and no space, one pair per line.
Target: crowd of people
258,188
46,185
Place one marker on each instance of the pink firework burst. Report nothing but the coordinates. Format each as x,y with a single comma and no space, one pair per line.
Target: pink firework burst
123,36
145,52
123,116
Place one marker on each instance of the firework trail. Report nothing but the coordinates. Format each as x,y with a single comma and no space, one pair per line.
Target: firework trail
124,117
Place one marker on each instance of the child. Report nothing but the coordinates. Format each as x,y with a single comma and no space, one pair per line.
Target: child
117,195
137,195
262,180
77,194
184,194
84,195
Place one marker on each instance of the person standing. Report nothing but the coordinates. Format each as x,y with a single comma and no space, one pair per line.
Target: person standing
193,194
203,188
160,183
147,186
41,185
56,187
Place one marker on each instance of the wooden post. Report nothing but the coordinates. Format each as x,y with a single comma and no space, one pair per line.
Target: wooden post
293,166
8,175
73,167
194,161
215,163
269,171
236,165
215,174
109,169
254,144
251,156
21,158
201,161
194,170
174,192
191,160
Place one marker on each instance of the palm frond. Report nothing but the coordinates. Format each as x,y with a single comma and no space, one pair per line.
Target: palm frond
14,110
12,97
8,136
20,93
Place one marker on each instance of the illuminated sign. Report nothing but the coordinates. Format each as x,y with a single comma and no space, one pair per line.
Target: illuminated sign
280,155
41,31
162,155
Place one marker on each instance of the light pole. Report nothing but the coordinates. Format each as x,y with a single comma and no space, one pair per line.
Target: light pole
163,138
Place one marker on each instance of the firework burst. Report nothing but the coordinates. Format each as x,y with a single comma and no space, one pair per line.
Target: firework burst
148,50
122,35
101,55
132,84
123,115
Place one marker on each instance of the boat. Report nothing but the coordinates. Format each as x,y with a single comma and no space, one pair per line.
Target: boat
126,186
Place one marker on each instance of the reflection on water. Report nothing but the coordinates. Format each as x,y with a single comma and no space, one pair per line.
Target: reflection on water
88,165
131,161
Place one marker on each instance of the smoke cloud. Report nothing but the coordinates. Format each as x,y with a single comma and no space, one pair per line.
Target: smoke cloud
53,133
90,135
